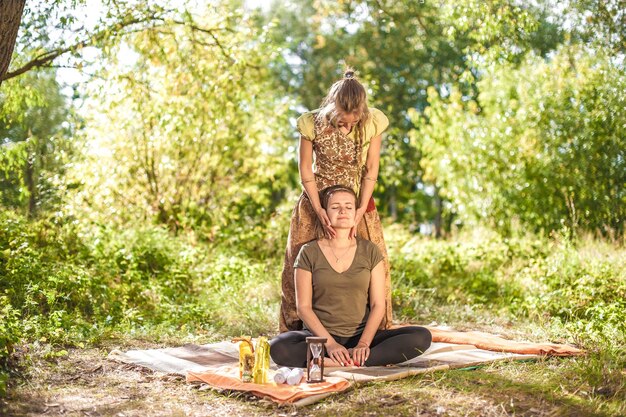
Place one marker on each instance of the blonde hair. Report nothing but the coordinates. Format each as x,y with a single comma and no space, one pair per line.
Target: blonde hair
346,96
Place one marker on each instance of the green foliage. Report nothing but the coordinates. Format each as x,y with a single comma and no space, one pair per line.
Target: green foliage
56,32
465,272
69,286
497,30
399,50
65,283
578,287
543,144
10,334
585,291
200,132
598,21
34,145
241,295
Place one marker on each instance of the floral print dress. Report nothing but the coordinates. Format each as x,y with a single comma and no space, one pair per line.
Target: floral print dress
339,159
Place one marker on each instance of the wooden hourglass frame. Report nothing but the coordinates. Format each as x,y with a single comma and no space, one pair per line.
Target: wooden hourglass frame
315,359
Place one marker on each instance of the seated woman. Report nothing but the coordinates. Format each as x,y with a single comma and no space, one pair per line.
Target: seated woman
340,295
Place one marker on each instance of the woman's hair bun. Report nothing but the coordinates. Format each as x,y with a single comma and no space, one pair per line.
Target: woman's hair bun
348,74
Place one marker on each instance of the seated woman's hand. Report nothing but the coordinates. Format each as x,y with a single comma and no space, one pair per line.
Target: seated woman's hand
338,353
360,353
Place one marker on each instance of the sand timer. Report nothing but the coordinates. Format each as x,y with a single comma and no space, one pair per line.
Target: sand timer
315,352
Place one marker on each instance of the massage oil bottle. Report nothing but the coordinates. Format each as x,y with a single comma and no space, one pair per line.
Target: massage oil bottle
261,361
246,358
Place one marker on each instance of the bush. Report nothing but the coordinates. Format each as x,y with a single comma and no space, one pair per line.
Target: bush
70,283
579,286
241,295
460,272
541,145
65,283
582,288
10,333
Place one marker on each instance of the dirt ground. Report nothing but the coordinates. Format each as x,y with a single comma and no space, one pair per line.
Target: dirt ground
85,383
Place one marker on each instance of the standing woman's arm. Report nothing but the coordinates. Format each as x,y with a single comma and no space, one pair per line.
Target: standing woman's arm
368,181
307,178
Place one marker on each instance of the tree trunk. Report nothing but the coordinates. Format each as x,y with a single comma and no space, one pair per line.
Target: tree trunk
29,179
393,204
10,18
439,215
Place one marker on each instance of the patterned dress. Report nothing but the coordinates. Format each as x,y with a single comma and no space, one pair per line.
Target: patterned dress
339,159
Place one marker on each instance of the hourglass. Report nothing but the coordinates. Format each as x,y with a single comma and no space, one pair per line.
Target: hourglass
315,352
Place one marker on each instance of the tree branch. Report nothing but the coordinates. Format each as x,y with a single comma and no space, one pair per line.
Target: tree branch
43,59
211,33
394,16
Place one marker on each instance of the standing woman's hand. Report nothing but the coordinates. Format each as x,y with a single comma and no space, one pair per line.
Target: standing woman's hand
328,228
360,212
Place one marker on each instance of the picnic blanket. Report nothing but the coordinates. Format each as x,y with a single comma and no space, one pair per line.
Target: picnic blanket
216,364
497,343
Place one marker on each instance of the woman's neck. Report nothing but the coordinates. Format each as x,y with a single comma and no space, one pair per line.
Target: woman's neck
342,237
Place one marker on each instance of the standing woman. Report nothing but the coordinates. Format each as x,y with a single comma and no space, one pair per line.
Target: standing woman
345,137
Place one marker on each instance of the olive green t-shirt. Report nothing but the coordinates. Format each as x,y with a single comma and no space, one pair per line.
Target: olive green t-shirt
340,300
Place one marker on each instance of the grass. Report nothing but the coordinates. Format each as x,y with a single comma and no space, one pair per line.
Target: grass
85,383
169,291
